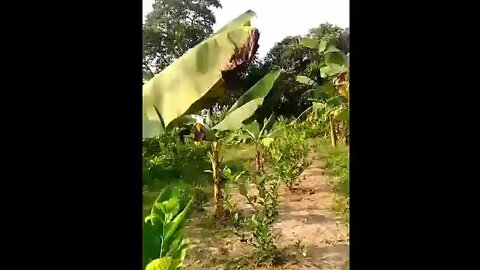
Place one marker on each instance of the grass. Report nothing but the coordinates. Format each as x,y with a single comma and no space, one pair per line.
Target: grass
191,178
337,166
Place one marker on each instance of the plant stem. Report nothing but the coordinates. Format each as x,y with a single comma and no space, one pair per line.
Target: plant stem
217,182
332,132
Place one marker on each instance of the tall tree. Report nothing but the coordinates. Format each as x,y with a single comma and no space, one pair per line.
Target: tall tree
173,27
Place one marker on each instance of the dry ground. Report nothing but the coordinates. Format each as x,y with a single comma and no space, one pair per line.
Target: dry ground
312,236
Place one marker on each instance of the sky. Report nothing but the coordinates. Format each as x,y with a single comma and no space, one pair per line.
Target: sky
277,19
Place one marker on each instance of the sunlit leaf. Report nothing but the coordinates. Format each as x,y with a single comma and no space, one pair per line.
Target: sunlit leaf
309,42
234,120
332,70
322,46
160,264
196,79
305,80
259,90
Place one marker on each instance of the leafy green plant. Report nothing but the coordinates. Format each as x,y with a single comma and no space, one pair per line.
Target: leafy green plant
331,98
164,243
263,239
288,156
265,204
240,113
262,137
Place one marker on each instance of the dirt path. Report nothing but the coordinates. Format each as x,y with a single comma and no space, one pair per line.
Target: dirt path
305,215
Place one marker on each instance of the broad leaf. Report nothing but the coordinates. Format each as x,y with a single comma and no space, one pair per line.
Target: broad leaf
309,42
234,120
267,125
343,114
336,101
253,129
324,91
160,264
331,49
322,46
259,90
338,58
305,80
332,70
195,79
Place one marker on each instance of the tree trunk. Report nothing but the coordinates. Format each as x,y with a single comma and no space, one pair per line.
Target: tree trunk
333,136
217,183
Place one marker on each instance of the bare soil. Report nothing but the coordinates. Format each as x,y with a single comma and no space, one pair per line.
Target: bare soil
312,235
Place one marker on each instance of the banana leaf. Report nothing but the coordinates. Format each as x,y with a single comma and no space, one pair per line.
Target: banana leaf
196,79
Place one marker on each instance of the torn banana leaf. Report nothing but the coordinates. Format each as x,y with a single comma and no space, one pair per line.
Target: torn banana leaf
198,78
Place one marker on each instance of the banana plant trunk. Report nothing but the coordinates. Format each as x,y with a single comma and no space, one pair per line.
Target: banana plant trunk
217,182
333,136
258,161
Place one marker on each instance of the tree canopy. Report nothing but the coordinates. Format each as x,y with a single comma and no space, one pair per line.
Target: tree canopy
173,27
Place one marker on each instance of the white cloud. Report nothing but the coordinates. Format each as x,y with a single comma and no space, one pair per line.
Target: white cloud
277,19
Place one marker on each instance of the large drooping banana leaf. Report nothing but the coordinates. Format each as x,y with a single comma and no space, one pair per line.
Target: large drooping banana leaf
195,79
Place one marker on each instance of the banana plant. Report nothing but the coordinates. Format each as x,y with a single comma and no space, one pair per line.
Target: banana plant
164,243
331,98
240,114
200,77
262,137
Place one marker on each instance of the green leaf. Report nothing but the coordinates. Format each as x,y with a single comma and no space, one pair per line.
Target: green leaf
305,80
171,206
259,90
160,264
332,70
336,101
236,137
331,49
343,114
253,129
177,221
147,75
195,79
309,42
234,120
338,58
322,46
267,125
303,115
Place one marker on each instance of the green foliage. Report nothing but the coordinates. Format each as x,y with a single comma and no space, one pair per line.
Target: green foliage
197,79
173,27
288,156
164,243
259,225
167,157
338,167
